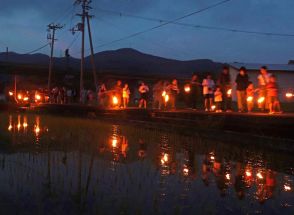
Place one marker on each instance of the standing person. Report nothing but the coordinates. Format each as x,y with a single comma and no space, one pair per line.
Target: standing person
90,97
195,91
218,98
69,95
157,95
143,90
226,88
64,95
61,95
208,86
242,81
83,96
174,91
272,92
263,80
54,93
118,92
250,96
126,96
102,95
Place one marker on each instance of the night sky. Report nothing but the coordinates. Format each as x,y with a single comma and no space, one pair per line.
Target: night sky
24,22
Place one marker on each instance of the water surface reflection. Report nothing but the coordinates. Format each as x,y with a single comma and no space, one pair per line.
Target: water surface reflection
75,166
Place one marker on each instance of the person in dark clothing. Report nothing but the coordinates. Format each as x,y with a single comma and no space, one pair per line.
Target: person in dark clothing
242,82
194,91
174,91
226,87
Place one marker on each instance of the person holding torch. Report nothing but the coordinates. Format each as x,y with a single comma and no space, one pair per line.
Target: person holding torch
208,87
263,80
226,87
174,91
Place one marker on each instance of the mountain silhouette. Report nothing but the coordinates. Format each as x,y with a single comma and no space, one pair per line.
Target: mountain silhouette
121,61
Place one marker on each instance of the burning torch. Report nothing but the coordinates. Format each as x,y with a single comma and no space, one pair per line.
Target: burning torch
261,100
187,88
114,101
165,97
289,95
229,92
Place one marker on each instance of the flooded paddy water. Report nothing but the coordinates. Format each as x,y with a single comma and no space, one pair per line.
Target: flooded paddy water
62,165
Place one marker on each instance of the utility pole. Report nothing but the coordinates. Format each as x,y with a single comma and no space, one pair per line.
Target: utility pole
81,27
92,51
7,53
15,90
51,29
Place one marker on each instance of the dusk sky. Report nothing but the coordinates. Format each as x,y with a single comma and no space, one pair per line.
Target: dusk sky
24,23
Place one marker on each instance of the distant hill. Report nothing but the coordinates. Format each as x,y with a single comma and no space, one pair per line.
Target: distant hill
123,61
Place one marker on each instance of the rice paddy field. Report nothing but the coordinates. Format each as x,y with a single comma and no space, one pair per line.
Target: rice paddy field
69,165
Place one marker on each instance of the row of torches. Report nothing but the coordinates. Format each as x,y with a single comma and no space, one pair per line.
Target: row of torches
249,99
187,89
25,97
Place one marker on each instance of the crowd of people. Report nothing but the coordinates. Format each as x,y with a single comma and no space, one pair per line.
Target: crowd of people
216,94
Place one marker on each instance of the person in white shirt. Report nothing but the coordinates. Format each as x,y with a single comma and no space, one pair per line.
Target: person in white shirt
263,80
208,87
143,90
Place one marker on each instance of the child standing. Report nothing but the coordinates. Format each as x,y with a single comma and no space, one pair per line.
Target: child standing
218,98
250,96
272,94
208,86
126,95
143,90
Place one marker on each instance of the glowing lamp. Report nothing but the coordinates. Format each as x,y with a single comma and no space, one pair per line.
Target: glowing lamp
37,97
228,177
248,173
187,89
164,159
37,130
114,142
229,92
114,100
213,107
166,98
261,100
249,98
289,95
287,188
259,175
163,94
186,171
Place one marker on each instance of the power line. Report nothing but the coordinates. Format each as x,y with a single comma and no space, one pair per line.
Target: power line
73,41
152,42
38,49
164,24
198,26
65,14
